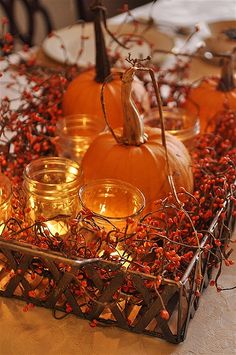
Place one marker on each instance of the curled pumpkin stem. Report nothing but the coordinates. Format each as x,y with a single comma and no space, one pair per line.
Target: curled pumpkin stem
133,130
133,127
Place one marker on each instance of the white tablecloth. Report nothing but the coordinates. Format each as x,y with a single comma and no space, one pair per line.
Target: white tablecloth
187,12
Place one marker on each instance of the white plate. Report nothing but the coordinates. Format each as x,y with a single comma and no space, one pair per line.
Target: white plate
65,45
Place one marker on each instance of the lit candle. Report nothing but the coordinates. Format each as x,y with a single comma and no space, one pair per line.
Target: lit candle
75,133
57,227
5,200
113,202
51,187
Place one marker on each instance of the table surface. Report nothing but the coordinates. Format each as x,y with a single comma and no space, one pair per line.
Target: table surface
213,329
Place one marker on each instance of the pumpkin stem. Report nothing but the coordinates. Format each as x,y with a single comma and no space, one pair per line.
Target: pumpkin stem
226,82
133,128
103,68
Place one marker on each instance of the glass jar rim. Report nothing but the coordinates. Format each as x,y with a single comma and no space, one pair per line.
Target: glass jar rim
118,183
90,117
194,128
80,114
47,160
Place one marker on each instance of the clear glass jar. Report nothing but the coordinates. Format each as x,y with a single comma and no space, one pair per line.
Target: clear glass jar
178,122
113,201
5,200
51,187
75,134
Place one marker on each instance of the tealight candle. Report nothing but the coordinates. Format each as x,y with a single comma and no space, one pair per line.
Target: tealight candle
178,122
75,134
51,187
113,202
5,200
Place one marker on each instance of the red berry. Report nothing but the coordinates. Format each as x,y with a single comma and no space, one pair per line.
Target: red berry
130,220
32,293
25,308
68,308
93,323
217,242
164,314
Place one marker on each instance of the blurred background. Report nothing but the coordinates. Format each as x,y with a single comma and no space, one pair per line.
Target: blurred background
31,20
34,18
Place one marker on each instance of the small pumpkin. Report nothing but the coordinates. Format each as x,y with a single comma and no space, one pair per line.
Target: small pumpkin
212,95
139,156
83,93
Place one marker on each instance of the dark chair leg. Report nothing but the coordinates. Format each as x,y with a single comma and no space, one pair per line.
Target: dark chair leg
31,8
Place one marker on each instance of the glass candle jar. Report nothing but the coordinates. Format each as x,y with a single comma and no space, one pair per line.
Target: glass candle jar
5,200
178,122
51,187
113,201
75,134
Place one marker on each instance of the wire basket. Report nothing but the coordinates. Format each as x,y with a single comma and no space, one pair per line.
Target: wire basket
27,272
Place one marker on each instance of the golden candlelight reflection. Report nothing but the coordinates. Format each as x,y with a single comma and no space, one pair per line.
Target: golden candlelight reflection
113,201
75,134
57,227
51,188
5,200
178,122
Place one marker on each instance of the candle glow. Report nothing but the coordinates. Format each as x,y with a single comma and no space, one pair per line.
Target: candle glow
51,186
75,133
112,201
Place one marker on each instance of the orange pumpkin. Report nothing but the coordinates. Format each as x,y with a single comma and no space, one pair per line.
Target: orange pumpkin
83,96
212,95
138,156
83,93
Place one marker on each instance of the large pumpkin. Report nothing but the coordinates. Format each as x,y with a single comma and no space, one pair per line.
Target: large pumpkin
138,156
212,95
83,93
